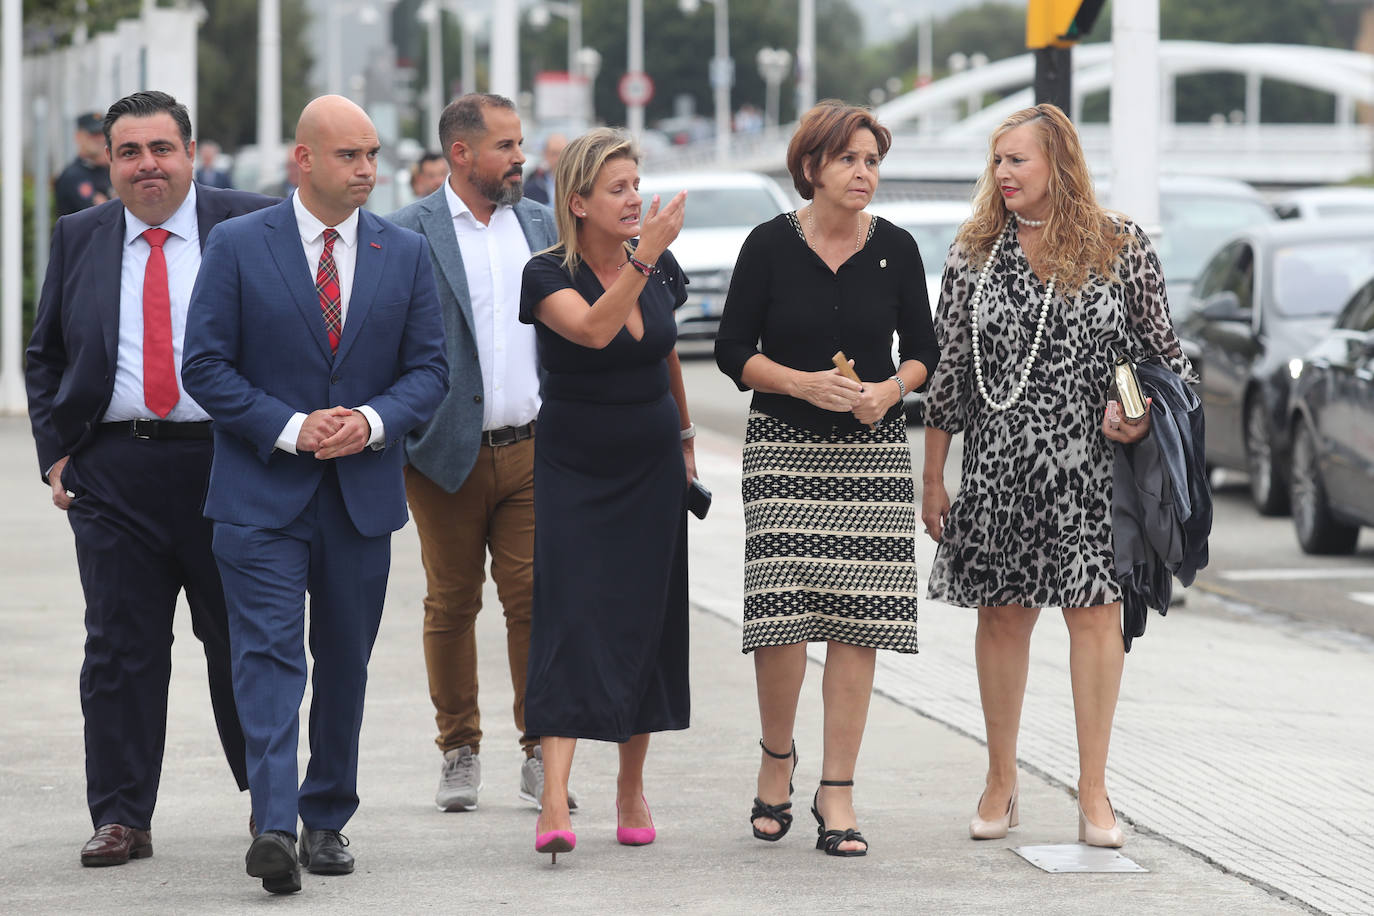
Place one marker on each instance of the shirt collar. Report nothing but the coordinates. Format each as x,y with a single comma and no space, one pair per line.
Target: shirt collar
457,208
311,228
182,223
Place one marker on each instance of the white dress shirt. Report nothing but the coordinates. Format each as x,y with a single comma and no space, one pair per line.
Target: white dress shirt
182,251
345,258
494,256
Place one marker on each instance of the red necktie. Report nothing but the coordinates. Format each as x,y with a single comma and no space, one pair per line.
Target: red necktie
160,391
327,284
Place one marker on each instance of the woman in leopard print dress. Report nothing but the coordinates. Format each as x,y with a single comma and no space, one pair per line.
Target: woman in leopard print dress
1042,290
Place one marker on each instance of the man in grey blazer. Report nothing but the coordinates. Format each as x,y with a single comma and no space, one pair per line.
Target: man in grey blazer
470,477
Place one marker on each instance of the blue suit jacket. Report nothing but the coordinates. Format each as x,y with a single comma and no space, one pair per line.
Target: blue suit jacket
70,366
256,353
445,449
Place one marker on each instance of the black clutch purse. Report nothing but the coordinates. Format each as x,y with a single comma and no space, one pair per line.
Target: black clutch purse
698,498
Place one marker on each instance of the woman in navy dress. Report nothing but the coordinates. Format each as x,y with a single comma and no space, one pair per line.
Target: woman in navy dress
613,458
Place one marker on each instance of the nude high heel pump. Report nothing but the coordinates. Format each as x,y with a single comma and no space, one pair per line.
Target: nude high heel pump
1093,835
979,829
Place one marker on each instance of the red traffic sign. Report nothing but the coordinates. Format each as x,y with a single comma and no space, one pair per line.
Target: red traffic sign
636,88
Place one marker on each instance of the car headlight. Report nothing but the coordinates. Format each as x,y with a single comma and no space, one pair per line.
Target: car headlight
1295,368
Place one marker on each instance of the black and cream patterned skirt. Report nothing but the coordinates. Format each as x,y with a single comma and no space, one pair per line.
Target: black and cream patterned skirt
830,537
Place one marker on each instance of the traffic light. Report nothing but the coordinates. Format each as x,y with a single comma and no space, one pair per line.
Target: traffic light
1059,23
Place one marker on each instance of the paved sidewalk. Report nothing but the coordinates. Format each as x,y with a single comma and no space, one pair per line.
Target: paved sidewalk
1184,726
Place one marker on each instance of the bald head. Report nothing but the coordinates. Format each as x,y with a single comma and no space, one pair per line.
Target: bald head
336,151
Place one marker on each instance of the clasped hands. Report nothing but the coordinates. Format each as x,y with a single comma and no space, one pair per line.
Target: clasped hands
333,433
830,390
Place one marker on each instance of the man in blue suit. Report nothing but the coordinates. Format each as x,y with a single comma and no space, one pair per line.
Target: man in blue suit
127,454
315,342
470,477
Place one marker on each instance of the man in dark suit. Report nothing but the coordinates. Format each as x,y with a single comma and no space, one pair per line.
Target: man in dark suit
539,187
127,454
315,342
208,173
85,182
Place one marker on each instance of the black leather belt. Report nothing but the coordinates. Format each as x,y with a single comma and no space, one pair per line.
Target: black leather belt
507,435
158,429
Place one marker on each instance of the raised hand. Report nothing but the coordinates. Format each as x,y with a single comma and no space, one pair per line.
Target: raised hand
658,228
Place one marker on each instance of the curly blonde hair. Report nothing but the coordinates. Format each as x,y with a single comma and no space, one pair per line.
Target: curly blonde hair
1080,237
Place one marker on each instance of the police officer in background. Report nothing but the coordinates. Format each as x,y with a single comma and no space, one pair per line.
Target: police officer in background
86,181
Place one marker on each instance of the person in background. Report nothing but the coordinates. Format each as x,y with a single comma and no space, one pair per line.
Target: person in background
209,175
539,186
126,452
428,174
470,472
612,465
829,494
85,182
1042,289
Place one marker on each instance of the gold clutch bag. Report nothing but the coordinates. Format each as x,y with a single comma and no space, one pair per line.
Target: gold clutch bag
1128,393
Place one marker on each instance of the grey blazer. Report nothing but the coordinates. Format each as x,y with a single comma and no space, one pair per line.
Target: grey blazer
445,448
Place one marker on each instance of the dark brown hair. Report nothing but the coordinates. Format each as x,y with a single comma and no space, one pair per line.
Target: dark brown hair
824,133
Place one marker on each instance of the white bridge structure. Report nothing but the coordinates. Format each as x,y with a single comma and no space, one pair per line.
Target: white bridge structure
931,142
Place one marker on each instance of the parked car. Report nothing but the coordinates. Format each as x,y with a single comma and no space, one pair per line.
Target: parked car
722,208
1326,203
1332,420
1196,214
1259,304
932,223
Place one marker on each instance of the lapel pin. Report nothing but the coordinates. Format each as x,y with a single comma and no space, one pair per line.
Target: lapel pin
883,262
378,246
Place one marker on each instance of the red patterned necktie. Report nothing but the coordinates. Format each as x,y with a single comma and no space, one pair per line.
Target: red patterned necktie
327,285
160,390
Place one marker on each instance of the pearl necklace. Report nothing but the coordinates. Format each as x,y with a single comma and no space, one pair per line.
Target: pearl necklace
1033,223
997,406
811,230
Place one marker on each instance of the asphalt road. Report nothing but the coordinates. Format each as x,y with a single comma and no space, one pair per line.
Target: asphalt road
1256,569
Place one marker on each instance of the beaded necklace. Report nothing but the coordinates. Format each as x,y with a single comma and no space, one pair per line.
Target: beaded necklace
1015,396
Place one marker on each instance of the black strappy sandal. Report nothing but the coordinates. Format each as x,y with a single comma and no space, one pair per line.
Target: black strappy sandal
781,813
830,840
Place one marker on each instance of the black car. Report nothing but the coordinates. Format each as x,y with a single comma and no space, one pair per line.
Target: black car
1261,302
1333,433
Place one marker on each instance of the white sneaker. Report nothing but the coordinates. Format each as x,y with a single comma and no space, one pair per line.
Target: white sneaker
532,782
459,781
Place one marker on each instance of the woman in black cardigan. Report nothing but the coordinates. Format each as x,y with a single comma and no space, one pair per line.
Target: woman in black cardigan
829,501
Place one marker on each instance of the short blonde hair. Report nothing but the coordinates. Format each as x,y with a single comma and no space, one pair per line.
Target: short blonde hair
577,171
1080,237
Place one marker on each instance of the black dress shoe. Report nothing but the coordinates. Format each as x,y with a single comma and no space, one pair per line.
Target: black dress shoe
323,853
272,857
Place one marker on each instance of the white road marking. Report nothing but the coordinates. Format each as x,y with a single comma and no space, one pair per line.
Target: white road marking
1362,597
1293,575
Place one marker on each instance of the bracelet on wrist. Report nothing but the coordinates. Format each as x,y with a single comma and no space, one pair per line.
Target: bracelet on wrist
690,432
641,266
901,386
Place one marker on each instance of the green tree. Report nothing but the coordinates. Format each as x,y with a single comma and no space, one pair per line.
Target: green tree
228,77
678,49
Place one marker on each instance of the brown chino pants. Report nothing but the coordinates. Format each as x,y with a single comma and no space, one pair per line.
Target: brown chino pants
493,510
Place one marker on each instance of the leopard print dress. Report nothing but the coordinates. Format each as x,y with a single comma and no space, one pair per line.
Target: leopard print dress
1032,522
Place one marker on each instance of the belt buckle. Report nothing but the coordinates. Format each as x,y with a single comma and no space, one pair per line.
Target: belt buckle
150,426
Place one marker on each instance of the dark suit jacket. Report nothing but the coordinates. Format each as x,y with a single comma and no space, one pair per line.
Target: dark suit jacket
256,353
70,367
445,449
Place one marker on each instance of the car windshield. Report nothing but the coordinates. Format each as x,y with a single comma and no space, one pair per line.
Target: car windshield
1195,226
719,208
1316,278
934,240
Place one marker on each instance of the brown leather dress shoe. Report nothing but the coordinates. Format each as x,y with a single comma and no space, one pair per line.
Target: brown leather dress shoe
115,844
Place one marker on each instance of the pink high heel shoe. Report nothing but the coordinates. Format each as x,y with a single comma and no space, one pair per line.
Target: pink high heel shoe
553,841
635,836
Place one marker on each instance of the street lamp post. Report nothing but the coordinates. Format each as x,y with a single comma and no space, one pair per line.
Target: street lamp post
367,16
806,55
540,17
773,65
589,65
431,14
634,63
269,92
722,71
